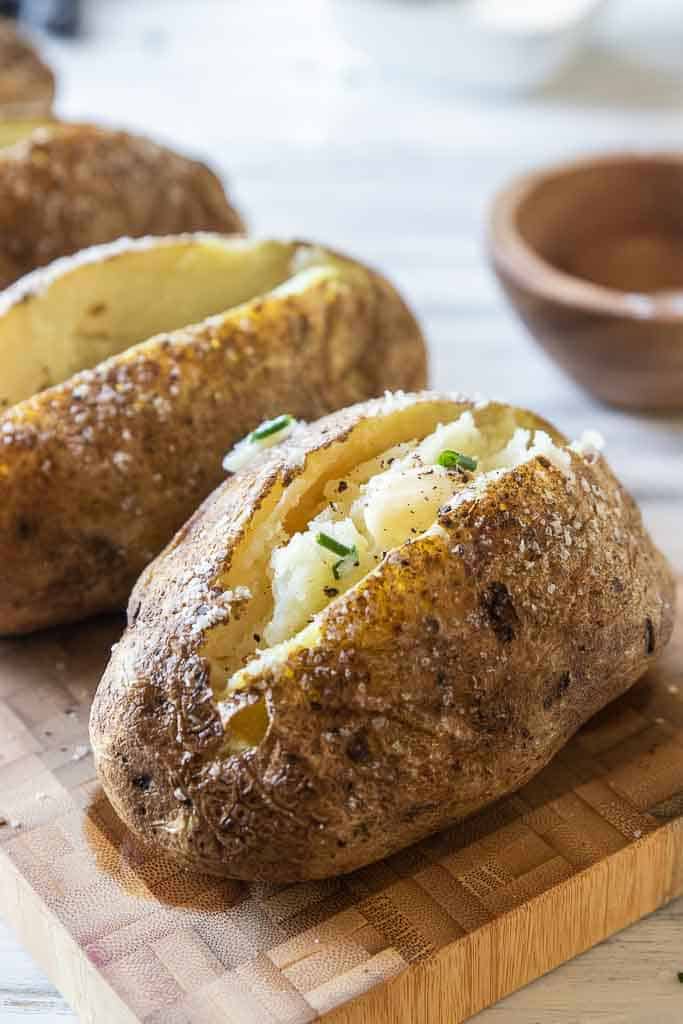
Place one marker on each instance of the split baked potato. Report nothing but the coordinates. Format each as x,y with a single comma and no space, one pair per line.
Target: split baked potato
27,85
67,186
109,441
392,618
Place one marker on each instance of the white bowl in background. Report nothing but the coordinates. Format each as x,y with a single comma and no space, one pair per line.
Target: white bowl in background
508,45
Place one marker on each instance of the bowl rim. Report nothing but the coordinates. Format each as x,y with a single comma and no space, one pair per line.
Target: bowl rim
512,255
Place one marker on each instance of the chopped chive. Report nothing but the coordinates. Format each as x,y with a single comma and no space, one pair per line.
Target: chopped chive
451,459
270,427
349,555
341,568
325,541
680,977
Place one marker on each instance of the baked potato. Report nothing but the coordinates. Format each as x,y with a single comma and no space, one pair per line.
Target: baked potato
27,85
66,187
393,618
109,441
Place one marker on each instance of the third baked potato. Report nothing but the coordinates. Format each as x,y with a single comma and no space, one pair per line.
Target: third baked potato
27,84
109,441
397,616
65,187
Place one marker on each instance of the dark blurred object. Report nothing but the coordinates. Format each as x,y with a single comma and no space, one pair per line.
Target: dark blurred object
62,17
9,8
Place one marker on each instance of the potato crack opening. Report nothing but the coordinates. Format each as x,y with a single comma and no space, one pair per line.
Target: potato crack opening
78,312
324,539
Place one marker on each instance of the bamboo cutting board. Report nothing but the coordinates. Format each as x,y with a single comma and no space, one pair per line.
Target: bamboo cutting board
429,936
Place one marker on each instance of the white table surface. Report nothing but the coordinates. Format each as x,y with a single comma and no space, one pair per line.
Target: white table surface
348,137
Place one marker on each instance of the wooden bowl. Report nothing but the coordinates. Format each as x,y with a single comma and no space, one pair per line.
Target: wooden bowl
591,255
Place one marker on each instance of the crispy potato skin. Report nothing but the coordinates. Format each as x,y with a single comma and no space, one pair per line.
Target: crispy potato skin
445,680
98,185
27,85
98,473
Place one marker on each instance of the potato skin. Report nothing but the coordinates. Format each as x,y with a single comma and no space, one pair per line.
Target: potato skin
445,680
68,187
97,474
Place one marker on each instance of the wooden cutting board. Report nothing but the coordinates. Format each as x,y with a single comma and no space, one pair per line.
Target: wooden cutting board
430,936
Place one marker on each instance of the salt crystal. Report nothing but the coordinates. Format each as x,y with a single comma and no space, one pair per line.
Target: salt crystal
121,460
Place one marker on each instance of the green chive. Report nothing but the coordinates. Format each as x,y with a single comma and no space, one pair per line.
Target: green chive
270,427
680,977
349,555
325,541
451,459
340,568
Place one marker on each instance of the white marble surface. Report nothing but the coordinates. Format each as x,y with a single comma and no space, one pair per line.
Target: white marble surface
330,125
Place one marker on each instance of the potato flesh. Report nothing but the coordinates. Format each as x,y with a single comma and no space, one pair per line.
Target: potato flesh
93,307
385,504
303,580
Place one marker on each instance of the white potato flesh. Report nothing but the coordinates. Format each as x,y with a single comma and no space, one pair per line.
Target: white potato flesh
462,435
383,504
402,503
303,575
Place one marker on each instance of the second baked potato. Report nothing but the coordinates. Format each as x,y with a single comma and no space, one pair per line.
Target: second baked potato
396,617
109,441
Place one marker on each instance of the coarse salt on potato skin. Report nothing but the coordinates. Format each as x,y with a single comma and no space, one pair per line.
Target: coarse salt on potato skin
445,679
99,471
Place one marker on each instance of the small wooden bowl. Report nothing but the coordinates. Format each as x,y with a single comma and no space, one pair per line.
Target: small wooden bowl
591,255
